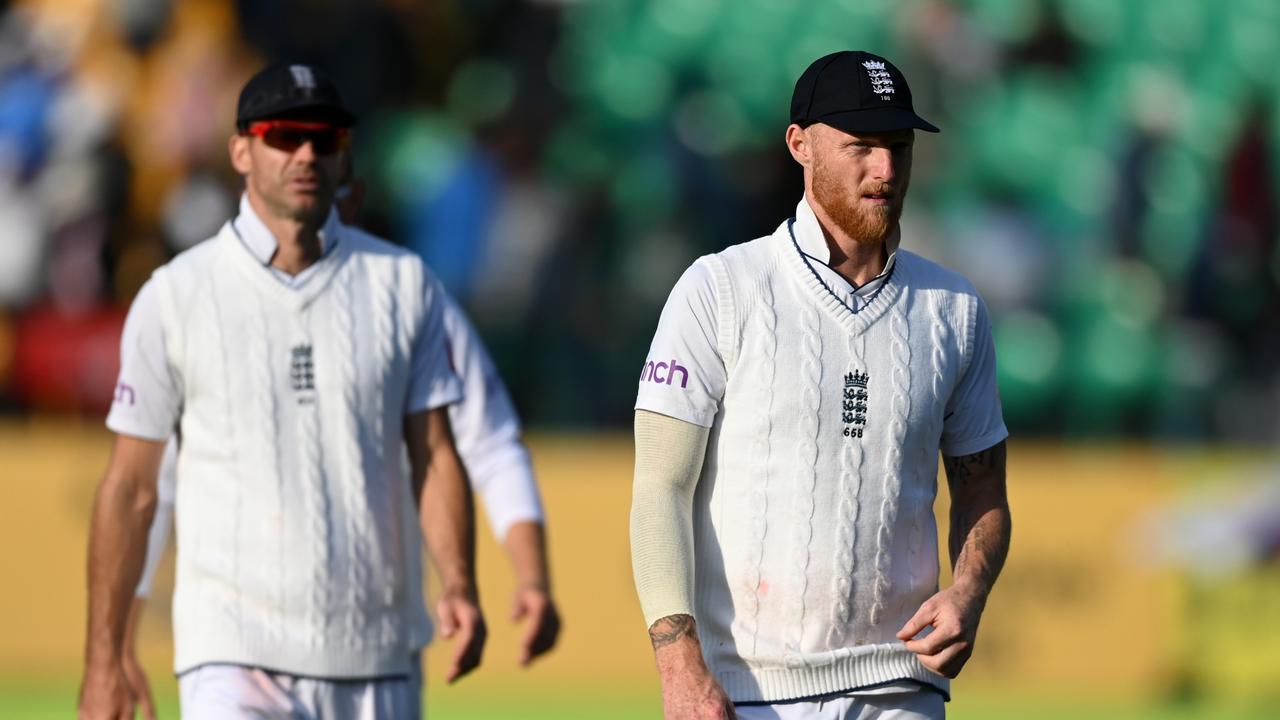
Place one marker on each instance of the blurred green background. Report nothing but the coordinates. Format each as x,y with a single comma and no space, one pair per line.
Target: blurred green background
1106,175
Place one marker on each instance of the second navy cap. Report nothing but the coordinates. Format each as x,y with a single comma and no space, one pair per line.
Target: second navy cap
291,90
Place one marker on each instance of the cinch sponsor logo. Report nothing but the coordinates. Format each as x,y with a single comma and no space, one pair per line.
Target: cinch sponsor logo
124,393
663,373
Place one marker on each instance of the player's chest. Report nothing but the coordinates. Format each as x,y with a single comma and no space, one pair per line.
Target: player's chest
817,376
297,356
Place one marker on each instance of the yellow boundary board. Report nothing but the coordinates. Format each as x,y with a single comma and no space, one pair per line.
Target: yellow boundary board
1075,608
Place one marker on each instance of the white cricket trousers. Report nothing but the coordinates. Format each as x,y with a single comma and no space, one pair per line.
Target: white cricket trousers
235,692
911,705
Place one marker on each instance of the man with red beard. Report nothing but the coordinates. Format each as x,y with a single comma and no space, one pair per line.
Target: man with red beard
797,394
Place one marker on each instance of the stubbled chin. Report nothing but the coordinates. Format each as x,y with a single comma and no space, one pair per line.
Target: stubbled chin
863,222
308,210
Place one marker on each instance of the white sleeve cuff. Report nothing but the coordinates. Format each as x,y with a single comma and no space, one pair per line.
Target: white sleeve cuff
504,480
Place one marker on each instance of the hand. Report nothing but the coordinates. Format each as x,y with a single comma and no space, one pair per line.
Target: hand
139,688
954,614
104,694
460,617
542,626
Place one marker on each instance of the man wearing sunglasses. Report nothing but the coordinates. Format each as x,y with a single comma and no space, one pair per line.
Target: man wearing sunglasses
487,430
297,358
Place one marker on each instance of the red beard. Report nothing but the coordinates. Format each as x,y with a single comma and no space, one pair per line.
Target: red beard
865,224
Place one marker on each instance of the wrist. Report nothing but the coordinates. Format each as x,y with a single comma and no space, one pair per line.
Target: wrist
102,661
680,659
539,586
675,645
103,648
972,588
460,589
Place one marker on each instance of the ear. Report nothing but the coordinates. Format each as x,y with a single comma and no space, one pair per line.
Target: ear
349,206
238,149
800,143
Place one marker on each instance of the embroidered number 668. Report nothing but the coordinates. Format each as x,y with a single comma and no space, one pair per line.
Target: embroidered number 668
853,432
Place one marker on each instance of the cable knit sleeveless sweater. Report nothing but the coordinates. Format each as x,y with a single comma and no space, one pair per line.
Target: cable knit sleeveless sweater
815,538
298,544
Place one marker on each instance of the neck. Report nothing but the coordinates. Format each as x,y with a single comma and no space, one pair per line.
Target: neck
297,241
857,260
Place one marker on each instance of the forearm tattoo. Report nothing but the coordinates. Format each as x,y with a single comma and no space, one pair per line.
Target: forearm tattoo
985,545
961,470
980,523
670,629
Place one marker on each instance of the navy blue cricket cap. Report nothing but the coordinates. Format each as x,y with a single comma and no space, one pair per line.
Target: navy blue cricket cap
855,91
292,91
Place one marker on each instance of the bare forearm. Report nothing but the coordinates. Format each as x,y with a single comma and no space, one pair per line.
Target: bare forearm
117,547
526,545
981,524
979,545
132,621
448,521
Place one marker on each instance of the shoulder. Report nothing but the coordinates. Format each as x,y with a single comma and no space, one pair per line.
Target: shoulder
188,273
705,285
753,253
924,274
720,271
364,242
952,294
367,245
199,257
385,256
698,275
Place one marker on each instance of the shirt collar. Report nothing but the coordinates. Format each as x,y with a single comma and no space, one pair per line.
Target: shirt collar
262,244
813,242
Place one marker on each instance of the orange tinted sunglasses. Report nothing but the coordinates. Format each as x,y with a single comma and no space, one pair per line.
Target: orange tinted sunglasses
289,135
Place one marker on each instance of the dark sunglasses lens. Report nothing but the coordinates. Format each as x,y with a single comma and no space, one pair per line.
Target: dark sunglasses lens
284,139
323,142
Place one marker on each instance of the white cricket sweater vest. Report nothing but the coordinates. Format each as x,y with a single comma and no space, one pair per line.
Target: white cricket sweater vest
815,538
298,543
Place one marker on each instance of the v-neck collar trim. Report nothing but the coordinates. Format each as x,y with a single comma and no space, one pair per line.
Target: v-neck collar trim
811,239
853,321
297,298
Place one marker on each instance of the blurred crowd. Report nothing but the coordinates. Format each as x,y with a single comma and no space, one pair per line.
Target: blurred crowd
1106,175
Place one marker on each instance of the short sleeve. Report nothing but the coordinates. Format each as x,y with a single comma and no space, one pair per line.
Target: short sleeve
974,420
684,375
433,383
148,398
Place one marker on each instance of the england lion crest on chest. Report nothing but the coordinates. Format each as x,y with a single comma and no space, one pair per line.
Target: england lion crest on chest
854,403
